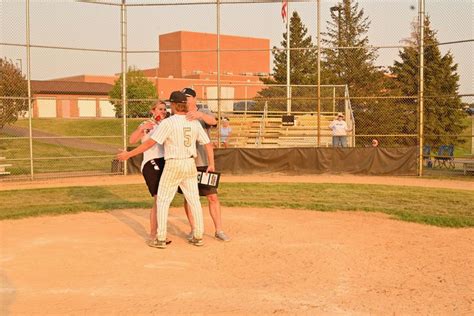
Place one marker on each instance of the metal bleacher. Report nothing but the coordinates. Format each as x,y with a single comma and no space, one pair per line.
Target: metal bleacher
3,166
267,131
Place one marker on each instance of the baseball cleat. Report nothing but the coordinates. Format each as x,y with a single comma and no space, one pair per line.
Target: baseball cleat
196,242
155,243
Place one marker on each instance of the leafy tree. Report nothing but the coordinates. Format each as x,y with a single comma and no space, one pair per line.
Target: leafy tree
141,94
443,117
14,85
303,70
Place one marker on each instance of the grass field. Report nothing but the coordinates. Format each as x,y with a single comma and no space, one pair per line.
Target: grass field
111,128
440,207
58,158
466,148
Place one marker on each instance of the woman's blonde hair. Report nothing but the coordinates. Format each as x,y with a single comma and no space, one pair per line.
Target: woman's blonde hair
154,105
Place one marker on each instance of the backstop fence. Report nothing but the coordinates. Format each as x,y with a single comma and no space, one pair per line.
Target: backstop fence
71,91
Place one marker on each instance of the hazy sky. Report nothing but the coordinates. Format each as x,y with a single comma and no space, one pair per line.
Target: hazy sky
72,24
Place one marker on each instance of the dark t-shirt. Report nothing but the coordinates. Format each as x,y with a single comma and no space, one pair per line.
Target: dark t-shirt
201,159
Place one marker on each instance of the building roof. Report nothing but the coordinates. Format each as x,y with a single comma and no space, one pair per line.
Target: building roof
70,87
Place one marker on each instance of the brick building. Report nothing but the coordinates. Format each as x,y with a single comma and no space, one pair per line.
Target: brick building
186,59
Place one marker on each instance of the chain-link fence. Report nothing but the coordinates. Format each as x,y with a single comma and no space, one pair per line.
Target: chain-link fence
64,111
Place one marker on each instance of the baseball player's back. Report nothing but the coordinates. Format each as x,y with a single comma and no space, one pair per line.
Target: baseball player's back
179,136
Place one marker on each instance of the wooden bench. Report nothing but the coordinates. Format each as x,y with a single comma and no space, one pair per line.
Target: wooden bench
467,165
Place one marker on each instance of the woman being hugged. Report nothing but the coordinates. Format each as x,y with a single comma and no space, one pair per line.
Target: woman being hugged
153,159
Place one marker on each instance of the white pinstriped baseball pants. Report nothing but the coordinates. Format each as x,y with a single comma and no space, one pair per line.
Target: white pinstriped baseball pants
183,173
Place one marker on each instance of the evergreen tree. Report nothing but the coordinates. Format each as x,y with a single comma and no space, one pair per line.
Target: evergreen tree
443,117
141,94
353,66
303,70
12,84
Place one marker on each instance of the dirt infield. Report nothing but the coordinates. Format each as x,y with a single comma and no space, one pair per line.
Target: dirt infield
279,262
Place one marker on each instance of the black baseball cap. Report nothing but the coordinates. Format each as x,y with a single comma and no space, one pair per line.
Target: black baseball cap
189,92
177,97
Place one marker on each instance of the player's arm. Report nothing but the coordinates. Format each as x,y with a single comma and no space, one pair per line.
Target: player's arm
124,155
210,157
140,131
209,119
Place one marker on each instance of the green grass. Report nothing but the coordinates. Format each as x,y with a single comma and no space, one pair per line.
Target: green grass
19,149
440,207
111,127
465,148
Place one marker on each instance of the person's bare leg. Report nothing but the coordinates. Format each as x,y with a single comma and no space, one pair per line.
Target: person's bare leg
153,220
189,215
215,211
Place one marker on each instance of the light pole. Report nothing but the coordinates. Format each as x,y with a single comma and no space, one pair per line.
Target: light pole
338,8
20,64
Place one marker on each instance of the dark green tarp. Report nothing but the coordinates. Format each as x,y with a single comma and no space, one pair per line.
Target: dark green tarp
369,161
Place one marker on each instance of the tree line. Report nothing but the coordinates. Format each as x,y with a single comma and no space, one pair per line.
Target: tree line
347,59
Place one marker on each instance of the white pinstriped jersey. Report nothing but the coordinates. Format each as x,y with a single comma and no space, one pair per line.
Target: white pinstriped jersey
182,144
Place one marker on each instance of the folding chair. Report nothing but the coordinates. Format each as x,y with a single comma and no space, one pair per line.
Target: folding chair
445,157
427,156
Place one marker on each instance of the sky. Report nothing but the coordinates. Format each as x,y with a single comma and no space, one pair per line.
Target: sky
69,23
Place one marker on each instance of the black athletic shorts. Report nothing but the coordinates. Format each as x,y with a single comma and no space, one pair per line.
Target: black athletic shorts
204,190
152,171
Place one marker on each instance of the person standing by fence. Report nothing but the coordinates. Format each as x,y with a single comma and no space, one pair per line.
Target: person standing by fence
339,131
226,132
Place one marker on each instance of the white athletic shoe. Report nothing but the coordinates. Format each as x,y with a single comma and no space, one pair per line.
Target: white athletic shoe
190,236
220,235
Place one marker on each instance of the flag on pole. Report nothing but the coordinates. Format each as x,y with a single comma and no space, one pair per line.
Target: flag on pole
284,8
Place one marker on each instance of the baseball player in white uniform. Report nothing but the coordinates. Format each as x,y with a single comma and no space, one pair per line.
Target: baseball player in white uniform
179,136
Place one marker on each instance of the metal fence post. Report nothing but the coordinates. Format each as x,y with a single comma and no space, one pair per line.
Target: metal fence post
319,70
288,53
218,26
28,77
421,81
123,31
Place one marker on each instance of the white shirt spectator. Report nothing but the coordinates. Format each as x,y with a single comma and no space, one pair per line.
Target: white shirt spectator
339,128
